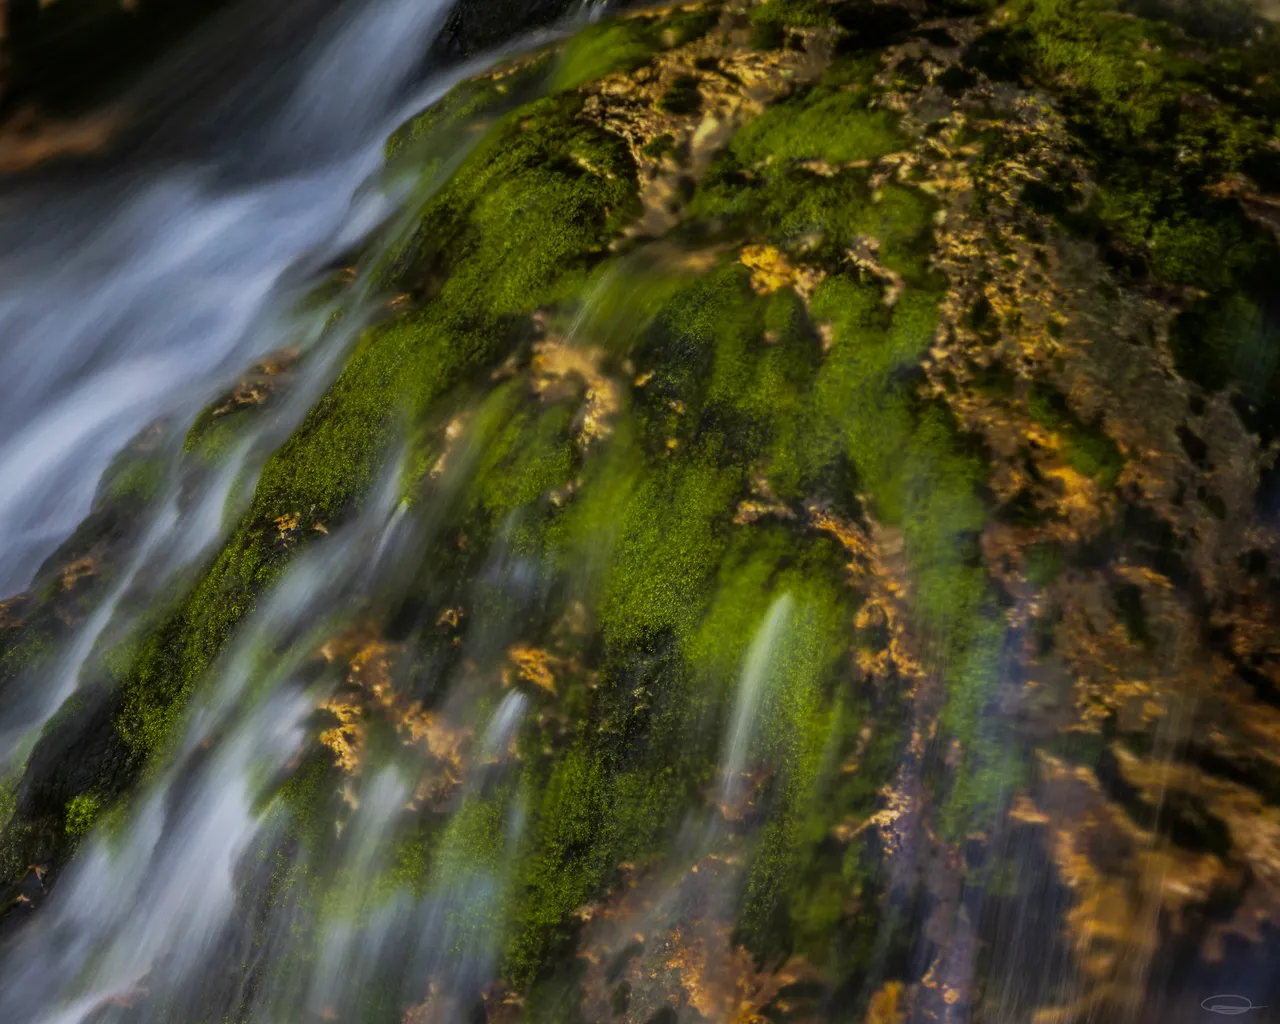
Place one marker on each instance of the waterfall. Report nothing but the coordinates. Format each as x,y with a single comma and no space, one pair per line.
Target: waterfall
758,668
139,310
142,306
180,283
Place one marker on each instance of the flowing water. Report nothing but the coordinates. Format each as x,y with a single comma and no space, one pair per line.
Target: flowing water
182,279
138,314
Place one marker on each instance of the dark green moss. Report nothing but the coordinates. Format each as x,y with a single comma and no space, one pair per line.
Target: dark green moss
658,147
1163,107
1044,565
794,14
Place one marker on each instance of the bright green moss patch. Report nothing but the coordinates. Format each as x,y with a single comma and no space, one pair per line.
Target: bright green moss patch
836,126
605,48
670,538
81,812
567,860
519,461
763,563
517,227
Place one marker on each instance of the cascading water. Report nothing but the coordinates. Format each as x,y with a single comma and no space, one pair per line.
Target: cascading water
756,671
181,282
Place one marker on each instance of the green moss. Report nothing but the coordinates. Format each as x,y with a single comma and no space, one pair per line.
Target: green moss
8,795
796,721
308,796
671,535
1043,565
794,14
835,126
1162,113
823,215
605,48
917,475
81,812
651,520
136,478
625,44
211,438
566,862
466,109
517,227
525,456
755,182
735,381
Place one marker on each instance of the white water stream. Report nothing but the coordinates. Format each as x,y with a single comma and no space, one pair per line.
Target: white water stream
143,310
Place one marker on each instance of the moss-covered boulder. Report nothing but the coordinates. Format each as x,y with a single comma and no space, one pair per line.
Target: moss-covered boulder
817,457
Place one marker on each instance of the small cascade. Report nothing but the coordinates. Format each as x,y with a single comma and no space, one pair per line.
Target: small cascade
86,376
145,904
758,668
95,373
502,727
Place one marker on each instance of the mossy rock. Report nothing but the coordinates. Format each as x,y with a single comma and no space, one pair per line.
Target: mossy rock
806,441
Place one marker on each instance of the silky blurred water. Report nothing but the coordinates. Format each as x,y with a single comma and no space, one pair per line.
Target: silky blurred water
141,304
133,301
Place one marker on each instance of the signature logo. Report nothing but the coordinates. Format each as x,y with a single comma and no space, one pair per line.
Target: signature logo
1229,1006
